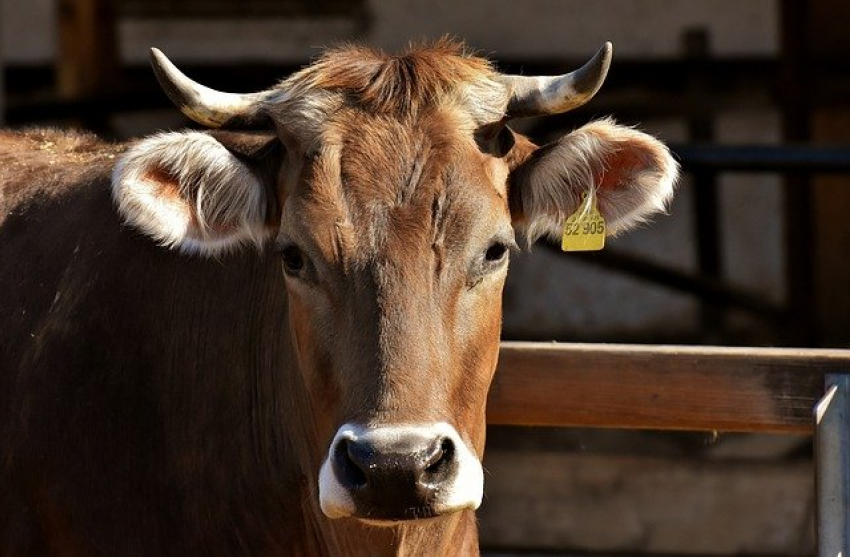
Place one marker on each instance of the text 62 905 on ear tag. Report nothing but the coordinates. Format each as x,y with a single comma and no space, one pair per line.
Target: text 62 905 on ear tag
584,230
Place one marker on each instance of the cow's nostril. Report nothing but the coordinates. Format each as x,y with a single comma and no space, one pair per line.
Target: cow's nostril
398,473
441,458
347,463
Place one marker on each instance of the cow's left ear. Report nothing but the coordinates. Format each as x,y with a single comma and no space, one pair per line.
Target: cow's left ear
200,192
633,173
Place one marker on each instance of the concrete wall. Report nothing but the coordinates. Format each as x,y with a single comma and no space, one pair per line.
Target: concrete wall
27,31
627,505
509,29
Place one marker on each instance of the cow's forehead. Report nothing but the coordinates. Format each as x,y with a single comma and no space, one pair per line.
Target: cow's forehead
389,144
442,75
403,161
378,181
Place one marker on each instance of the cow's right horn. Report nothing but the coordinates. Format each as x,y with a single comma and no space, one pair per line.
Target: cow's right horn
206,106
541,95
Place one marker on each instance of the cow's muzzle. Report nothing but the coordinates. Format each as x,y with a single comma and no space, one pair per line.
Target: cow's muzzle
393,473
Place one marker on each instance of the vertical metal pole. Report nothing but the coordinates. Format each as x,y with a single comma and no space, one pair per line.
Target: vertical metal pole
832,461
797,73
706,191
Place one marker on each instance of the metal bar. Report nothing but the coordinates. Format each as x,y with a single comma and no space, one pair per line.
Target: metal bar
708,243
832,455
799,232
707,289
796,74
706,198
765,158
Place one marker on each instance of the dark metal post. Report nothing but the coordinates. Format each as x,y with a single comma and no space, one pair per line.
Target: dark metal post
795,87
706,197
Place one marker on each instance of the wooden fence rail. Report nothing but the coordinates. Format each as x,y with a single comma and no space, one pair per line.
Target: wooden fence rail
775,390
661,387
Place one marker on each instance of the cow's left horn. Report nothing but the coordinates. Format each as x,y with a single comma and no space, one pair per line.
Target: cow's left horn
541,95
204,105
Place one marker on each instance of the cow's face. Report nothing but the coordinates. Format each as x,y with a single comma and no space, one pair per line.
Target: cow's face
395,243
391,190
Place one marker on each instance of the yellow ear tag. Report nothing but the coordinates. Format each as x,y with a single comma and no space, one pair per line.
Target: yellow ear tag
584,230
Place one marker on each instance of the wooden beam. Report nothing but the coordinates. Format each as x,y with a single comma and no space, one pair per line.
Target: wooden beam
87,59
831,201
660,387
817,44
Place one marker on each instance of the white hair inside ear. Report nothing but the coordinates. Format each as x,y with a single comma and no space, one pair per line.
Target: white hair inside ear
632,174
188,192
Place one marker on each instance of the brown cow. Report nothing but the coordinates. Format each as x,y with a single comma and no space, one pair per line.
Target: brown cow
322,396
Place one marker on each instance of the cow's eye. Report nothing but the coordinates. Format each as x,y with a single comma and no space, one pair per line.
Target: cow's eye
491,260
496,252
293,259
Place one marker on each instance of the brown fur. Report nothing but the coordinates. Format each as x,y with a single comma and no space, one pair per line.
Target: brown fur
367,221
153,403
399,85
202,442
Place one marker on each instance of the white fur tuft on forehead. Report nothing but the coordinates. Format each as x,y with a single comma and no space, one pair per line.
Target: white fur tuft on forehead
188,192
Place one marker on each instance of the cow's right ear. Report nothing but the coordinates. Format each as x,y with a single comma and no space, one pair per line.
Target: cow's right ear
200,192
632,174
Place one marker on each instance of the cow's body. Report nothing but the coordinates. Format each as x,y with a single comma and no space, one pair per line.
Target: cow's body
150,461
87,381
159,403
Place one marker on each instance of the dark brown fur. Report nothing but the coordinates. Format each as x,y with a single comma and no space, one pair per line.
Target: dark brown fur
141,433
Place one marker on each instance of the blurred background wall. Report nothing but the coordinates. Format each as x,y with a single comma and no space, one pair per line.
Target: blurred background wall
749,257
218,31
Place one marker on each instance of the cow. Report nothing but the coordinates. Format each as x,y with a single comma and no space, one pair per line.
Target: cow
275,335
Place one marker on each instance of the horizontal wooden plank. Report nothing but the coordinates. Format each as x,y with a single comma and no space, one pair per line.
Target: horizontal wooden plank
660,387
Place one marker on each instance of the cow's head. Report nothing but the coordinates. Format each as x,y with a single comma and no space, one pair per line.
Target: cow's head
392,189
